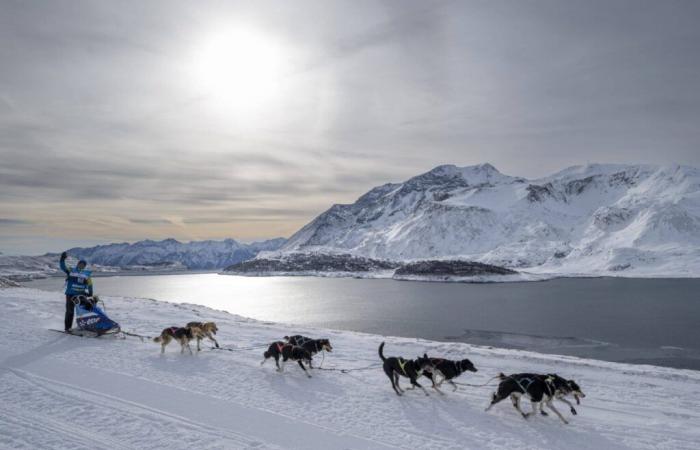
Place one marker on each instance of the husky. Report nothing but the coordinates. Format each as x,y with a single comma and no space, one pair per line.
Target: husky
447,369
183,335
313,346
208,329
287,351
409,368
539,388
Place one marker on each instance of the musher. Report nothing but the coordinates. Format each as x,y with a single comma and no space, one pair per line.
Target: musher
78,282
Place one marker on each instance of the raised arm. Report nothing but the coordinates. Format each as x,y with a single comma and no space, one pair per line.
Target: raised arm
64,268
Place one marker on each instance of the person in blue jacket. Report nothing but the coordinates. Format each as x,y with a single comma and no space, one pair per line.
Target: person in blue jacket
78,282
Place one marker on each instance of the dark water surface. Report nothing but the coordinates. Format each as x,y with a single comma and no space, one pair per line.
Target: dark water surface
650,321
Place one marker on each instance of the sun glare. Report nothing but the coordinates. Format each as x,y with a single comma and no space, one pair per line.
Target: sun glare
239,69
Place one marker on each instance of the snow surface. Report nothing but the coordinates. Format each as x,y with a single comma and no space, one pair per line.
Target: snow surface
599,219
66,392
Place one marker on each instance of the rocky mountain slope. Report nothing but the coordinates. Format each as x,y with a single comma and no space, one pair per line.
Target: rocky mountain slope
634,220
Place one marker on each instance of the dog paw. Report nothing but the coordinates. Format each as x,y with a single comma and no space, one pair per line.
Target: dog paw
544,413
573,411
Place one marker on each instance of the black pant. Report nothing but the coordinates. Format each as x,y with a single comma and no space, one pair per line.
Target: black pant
70,308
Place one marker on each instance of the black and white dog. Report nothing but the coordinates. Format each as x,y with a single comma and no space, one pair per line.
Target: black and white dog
447,369
409,368
313,346
287,352
539,388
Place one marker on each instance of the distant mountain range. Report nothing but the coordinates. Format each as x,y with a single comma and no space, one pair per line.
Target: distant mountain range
600,219
148,255
195,255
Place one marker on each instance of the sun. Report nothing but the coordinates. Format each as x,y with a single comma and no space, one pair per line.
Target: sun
239,68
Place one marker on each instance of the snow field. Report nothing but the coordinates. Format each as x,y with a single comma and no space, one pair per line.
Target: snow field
61,391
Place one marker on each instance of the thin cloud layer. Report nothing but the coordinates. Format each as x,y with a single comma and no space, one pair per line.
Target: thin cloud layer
105,134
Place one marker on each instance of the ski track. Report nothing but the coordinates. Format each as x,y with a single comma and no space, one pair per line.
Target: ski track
61,391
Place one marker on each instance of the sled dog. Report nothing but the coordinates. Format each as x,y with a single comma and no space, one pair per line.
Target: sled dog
539,388
409,368
313,346
447,370
183,335
208,329
287,352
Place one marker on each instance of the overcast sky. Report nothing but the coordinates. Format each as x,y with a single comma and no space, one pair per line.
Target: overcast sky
196,120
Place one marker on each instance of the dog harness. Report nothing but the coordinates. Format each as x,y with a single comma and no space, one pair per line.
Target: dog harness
402,364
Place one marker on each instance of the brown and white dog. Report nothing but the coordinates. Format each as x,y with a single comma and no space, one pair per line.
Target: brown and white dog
208,329
183,335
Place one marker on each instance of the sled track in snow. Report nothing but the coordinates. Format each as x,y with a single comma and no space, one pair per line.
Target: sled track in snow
101,408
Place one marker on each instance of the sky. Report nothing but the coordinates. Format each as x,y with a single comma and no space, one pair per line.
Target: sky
127,120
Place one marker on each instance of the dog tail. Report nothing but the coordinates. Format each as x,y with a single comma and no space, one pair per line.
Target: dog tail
157,339
381,351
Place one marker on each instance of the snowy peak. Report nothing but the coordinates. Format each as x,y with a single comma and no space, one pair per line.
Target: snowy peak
598,218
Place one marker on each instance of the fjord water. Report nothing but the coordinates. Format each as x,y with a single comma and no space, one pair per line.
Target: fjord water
646,321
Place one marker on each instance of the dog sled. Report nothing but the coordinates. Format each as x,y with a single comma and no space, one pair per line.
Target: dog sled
91,319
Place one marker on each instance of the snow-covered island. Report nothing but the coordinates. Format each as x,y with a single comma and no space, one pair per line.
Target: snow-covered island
65,392
595,220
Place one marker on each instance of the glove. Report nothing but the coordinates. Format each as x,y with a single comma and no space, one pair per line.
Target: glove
64,255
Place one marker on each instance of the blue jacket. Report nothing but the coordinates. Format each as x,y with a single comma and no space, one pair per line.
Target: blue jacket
78,282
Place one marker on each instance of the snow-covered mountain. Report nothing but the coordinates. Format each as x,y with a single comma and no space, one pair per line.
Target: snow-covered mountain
190,255
147,255
632,220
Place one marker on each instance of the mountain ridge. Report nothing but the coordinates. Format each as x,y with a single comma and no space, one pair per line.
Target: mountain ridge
599,219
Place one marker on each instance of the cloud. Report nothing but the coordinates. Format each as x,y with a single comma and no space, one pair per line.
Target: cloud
151,221
98,115
6,221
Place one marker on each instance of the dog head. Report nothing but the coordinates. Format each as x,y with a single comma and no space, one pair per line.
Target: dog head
325,345
211,327
575,389
465,365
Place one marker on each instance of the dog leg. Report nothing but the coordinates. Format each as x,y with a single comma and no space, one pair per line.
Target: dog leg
571,407
189,348
415,383
433,376
216,344
516,404
263,361
494,399
281,366
304,369
396,378
453,385
535,406
551,406
199,339
162,348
